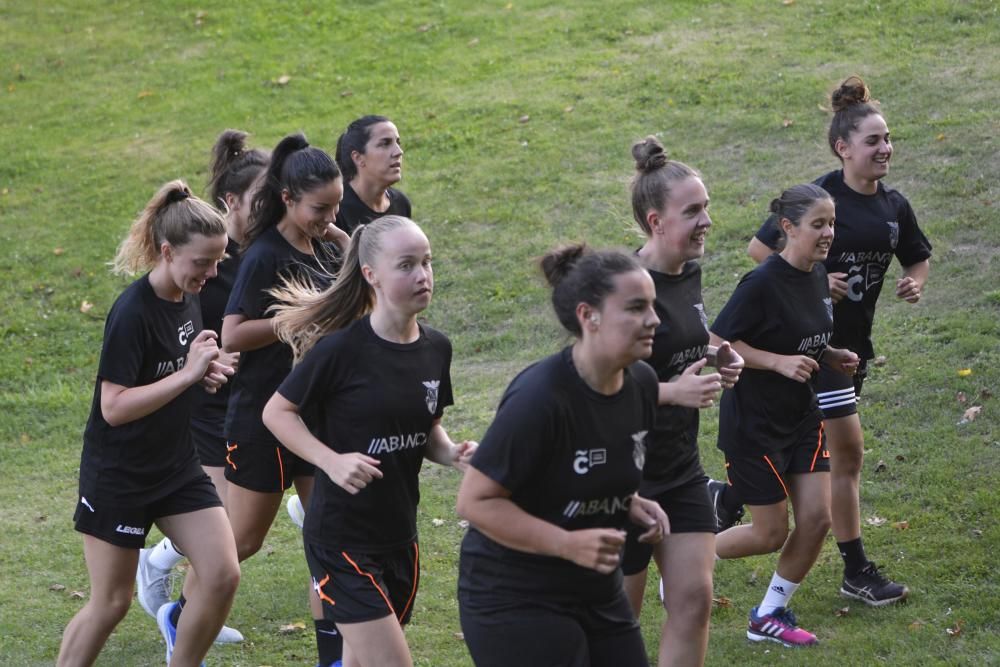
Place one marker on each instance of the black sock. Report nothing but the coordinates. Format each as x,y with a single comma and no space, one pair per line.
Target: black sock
853,553
175,613
329,643
731,501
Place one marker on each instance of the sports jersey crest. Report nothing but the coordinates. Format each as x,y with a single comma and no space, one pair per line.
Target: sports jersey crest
702,315
893,233
639,449
431,399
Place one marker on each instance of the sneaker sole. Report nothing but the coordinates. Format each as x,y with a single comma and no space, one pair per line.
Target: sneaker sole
875,603
162,618
755,637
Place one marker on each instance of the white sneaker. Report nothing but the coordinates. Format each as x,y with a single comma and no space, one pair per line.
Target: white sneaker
153,586
228,635
296,511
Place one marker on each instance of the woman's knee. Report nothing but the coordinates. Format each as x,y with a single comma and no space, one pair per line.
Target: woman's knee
695,604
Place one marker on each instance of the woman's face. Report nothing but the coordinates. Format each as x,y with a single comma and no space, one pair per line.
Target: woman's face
316,209
239,206
401,273
624,324
682,226
867,151
811,239
382,161
193,264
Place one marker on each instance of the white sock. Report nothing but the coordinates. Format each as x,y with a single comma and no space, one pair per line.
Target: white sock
778,594
164,556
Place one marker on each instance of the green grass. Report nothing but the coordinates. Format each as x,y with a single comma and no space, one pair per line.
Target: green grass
103,102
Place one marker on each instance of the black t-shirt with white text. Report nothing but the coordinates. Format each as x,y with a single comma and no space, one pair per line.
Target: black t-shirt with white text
781,309
268,260
146,338
680,340
360,393
869,231
354,212
213,298
570,456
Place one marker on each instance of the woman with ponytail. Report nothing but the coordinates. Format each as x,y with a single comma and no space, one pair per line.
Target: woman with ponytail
874,224
364,405
138,465
779,320
670,205
370,156
551,490
235,170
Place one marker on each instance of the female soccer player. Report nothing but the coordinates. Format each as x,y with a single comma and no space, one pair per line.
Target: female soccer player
370,156
235,169
770,426
874,223
372,384
670,204
551,489
138,465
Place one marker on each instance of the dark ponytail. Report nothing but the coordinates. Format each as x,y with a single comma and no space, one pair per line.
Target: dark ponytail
355,138
234,167
296,167
793,204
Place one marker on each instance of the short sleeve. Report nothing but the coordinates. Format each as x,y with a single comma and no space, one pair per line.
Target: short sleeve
768,233
257,273
913,245
743,313
312,380
125,341
445,395
519,442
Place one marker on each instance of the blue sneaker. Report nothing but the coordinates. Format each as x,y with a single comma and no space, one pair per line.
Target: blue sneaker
167,628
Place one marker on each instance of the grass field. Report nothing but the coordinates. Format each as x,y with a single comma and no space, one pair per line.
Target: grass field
517,120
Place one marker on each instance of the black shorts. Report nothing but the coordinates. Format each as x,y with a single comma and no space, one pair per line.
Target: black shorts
358,587
126,524
265,467
208,441
838,394
759,478
689,508
534,632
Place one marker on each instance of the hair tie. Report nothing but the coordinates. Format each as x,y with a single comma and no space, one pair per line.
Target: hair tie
175,196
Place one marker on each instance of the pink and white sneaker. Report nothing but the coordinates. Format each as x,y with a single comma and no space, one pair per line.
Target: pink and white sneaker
778,626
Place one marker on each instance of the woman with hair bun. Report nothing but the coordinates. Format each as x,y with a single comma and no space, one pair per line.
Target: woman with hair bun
553,485
670,205
235,170
288,235
364,405
779,320
138,465
874,224
370,156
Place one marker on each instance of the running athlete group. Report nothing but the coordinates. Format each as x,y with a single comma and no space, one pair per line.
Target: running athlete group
273,340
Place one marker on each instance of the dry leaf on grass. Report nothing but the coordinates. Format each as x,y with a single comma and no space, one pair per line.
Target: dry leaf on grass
964,372
57,587
437,523
956,629
970,414
57,251
425,27
901,525
843,611
85,306
960,397
524,119
881,466
788,122
78,595
460,636
292,628
916,625
722,601
879,360
473,42
875,521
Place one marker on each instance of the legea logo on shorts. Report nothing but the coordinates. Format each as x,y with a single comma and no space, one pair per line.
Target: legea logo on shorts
130,530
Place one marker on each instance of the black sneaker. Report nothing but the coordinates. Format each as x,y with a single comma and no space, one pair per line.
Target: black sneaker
872,588
724,519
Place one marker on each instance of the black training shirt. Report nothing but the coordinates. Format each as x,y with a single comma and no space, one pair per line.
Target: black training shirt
870,230
354,212
570,456
146,338
360,393
776,308
213,297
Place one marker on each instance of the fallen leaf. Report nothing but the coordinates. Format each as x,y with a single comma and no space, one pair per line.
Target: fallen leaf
5,192
437,523
292,628
960,397
85,306
424,28
900,457
879,360
11,88
473,42
786,3
970,414
57,587
346,93
25,438
956,629
283,80
901,525
977,532
509,6
78,595
722,601
460,635
57,251
41,518
843,611
524,119
788,122
964,372
985,393
940,137
916,625
568,109
881,466
199,18
875,520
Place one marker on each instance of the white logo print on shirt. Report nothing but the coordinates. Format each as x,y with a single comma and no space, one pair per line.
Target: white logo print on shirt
432,394
893,233
586,459
639,449
184,332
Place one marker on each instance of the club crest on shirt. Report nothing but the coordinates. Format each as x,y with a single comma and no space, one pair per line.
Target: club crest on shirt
893,233
828,302
702,315
639,449
184,332
431,399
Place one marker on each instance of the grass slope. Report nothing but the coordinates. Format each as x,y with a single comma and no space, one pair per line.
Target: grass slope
517,120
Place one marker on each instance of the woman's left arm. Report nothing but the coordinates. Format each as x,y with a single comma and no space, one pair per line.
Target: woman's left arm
910,287
441,449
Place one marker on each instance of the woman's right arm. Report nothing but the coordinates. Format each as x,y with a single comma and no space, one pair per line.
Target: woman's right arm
487,505
240,334
796,367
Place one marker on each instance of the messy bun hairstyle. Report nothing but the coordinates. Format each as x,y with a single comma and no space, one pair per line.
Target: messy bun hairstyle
654,179
173,216
793,204
851,103
578,274
234,167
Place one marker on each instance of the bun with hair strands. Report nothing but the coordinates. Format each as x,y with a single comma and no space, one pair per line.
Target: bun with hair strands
852,91
557,263
649,155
